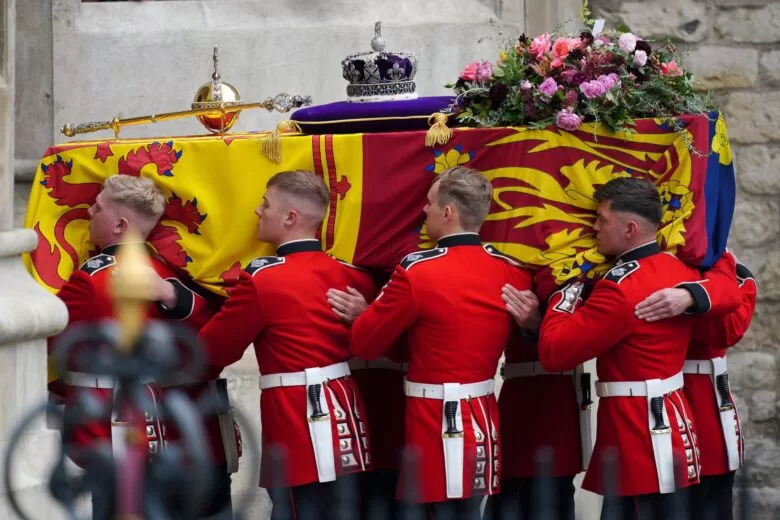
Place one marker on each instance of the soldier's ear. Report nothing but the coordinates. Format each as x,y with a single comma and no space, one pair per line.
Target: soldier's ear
122,225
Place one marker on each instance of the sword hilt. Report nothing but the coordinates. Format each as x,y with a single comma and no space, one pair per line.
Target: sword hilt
314,392
450,411
657,408
586,400
722,383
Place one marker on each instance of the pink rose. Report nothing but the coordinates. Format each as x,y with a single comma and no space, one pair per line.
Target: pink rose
470,72
566,119
609,80
548,87
627,42
593,89
540,46
484,71
671,69
640,58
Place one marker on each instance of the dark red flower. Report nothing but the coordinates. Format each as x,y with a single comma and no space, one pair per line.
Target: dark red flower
497,94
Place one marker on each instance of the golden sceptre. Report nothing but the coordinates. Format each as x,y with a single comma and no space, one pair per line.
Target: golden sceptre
217,105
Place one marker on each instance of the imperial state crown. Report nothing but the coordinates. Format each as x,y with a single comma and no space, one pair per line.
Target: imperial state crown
380,75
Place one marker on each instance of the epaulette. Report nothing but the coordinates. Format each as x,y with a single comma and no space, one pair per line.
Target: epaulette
492,251
97,263
620,272
421,256
258,264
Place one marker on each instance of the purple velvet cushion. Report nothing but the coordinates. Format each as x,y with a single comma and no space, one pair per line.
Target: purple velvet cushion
380,116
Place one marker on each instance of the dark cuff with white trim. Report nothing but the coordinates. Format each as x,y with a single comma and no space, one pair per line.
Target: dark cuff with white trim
185,300
743,273
701,299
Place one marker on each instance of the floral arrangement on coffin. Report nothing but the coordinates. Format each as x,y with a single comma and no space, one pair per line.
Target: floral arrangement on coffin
565,80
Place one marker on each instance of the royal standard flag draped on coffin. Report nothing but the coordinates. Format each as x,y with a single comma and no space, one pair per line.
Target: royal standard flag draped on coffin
542,209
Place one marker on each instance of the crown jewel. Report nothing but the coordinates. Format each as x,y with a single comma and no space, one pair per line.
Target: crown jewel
380,75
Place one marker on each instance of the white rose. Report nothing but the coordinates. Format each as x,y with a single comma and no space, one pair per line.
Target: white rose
640,58
627,42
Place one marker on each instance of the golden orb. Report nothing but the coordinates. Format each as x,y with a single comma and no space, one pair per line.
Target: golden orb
217,94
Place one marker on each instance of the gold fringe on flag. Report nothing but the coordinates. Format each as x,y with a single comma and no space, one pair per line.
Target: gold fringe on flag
271,144
438,133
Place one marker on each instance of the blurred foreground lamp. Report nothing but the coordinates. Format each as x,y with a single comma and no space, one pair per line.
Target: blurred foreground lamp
217,94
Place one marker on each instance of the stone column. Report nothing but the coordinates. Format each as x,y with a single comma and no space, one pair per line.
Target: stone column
28,314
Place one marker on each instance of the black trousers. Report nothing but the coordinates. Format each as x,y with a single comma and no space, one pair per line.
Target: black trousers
337,500
218,505
712,499
377,495
466,509
531,498
669,506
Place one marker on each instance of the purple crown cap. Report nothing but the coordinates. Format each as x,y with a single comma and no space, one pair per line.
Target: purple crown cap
380,75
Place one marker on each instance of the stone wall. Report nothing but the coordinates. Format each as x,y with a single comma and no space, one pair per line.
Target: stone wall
737,53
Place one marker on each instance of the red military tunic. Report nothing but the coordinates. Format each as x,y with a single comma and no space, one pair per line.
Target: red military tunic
537,411
88,299
448,299
631,350
280,305
711,338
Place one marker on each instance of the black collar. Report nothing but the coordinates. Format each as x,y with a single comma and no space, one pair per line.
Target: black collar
114,248
643,251
460,239
299,246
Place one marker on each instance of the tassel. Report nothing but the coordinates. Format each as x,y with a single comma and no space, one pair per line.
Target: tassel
271,144
438,133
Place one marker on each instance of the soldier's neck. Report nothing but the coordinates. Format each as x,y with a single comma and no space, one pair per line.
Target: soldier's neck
636,244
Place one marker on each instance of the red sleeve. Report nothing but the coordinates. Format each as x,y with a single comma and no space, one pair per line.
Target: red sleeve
235,326
364,283
83,305
394,310
732,327
716,294
567,339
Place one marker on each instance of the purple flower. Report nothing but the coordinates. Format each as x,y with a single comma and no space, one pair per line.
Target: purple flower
593,89
640,58
484,71
566,119
548,87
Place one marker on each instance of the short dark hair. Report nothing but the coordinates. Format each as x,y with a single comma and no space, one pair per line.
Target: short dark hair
632,195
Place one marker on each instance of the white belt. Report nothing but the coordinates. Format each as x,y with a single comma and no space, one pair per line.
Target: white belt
383,362
85,380
650,388
428,391
299,378
528,369
699,366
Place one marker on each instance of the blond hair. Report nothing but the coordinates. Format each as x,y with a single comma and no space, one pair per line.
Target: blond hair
138,194
469,191
303,185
